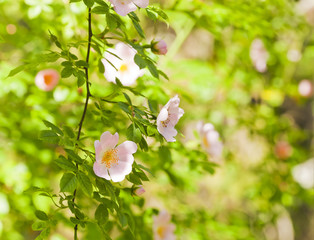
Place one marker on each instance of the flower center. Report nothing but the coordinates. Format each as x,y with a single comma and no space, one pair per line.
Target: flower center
48,79
161,231
205,141
123,67
165,123
110,158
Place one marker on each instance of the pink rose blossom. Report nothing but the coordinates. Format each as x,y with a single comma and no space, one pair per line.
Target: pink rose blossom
168,118
123,7
113,163
139,191
305,88
210,139
162,227
47,79
259,55
125,69
159,47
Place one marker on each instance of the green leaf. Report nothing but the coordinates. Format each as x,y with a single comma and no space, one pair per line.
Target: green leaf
74,156
44,234
111,21
139,61
101,67
65,164
101,214
124,107
134,179
80,78
100,9
49,136
85,183
164,154
89,3
123,219
53,127
133,133
68,131
41,215
67,72
152,68
127,98
81,63
68,182
138,28
17,70
151,130
37,226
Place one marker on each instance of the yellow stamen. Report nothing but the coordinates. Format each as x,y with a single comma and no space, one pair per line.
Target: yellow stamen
123,67
48,79
161,231
205,141
110,158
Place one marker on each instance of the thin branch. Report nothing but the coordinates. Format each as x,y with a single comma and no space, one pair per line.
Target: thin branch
88,94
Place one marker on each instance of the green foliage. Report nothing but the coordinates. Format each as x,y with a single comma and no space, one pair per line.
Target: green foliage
46,140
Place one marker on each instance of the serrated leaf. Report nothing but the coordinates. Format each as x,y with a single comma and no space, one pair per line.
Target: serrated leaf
68,182
68,131
49,136
65,164
127,98
111,21
138,27
124,107
53,127
100,9
74,156
85,183
89,3
101,214
41,215
81,63
66,72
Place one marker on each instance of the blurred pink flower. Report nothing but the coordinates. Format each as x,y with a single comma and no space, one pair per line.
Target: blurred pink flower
123,7
125,69
159,47
259,55
210,139
294,55
305,88
162,227
47,79
283,150
168,118
139,191
113,163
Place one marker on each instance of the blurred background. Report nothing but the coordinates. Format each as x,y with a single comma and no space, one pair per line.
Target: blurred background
247,67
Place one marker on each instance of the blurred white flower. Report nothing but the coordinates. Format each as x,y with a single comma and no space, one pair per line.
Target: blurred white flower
305,88
125,69
47,79
168,118
304,174
123,7
259,55
113,163
162,227
210,139
306,7
294,55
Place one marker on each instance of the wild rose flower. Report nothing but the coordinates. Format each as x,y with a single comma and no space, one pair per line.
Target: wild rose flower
304,174
125,69
47,79
113,163
283,150
259,55
168,118
159,47
139,191
305,88
210,139
123,7
162,227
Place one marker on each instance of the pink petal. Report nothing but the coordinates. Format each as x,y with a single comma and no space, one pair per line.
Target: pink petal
127,158
125,51
108,141
47,79
128,147
101,170
168,133
123,10
163,115
141,3
97,150
118,172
